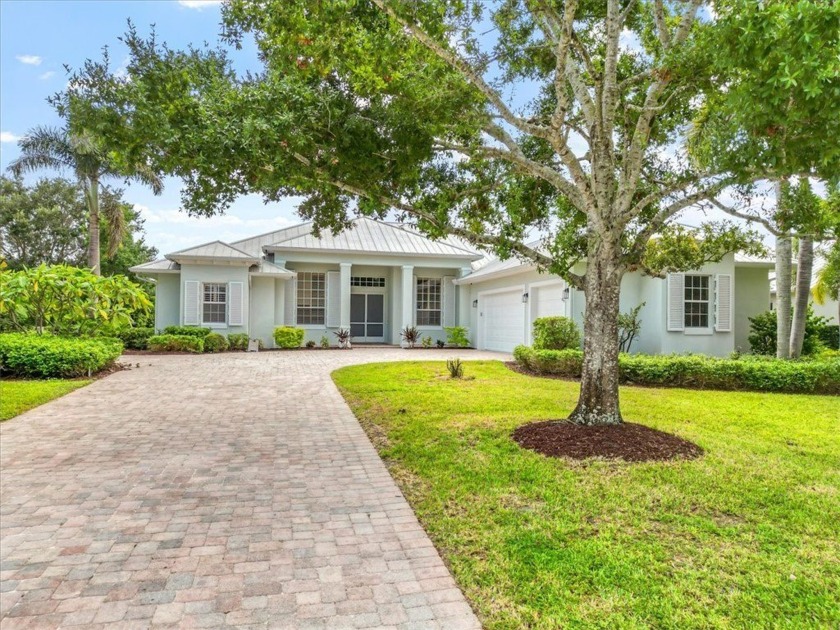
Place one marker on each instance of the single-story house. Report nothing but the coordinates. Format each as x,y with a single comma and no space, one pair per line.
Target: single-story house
379,277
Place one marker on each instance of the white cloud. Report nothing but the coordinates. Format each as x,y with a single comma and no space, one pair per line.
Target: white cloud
8,136
29,60
199,4
48,74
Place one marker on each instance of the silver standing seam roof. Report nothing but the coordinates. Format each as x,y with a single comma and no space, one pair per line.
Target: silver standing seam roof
214,249
374,237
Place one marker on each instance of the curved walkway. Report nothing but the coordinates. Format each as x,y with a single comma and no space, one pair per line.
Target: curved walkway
234,490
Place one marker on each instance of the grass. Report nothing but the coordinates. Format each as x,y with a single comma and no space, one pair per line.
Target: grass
748,536
19,396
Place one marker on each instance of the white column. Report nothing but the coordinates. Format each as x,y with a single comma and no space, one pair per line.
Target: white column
464,302
345,295
407,296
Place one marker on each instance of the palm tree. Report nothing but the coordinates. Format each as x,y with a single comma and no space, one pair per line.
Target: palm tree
56,148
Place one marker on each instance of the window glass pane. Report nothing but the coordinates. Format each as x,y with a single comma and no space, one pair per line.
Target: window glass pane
311,297
697,301
214,303
428,301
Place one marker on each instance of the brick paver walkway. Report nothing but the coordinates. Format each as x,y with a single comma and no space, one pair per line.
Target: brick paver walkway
209,491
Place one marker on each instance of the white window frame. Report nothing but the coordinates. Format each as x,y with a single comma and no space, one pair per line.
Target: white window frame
428,301
205,302
691,329
311,298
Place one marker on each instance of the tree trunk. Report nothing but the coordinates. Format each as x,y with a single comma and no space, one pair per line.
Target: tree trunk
598,401
804,267
92,196
783,265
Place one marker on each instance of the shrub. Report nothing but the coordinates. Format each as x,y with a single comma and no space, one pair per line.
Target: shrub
238,341
343,335
427,342
830,336
410,335
176,343
762,336
457,336
288,337
746,373
440,343
325,342
214,342
311,344
69,301
136,338
191,331
45,356
555,333
455,368
629,326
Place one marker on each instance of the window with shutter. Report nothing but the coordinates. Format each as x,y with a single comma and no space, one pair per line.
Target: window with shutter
214,303
697,301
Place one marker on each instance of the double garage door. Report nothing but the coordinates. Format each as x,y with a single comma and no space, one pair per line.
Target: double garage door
505,320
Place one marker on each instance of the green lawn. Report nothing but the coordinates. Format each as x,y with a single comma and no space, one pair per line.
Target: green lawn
19,396
748,536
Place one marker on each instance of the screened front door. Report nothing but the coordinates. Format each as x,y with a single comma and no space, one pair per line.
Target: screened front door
367,317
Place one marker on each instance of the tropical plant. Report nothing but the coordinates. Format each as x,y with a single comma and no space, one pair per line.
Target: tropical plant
427,342
411,335
629,325
455,367
344,338
310,344
68,300
325,342
87,156
762,337
214,342
457,336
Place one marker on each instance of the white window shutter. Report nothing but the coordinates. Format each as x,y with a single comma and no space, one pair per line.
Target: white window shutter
676,302
192,303
290,303
723,302
333,299
236,311
448,301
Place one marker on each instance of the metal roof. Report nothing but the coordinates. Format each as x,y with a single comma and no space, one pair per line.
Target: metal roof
157,266
215,249
742,260
374,237
265,268
253,245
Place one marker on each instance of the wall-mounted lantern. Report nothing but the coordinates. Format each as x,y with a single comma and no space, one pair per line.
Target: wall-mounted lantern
525,298
565,294
475,303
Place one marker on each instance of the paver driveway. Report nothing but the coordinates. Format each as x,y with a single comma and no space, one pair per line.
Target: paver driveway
229,490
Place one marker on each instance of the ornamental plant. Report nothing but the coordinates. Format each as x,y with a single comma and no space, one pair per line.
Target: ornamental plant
69,301
288,337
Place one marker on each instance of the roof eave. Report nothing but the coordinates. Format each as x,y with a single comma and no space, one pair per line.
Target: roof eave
323,250
493,275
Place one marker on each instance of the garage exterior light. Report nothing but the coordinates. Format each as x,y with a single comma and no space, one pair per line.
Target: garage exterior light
475,303
525,298
565,294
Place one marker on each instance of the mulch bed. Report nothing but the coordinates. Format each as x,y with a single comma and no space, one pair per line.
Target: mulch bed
627,441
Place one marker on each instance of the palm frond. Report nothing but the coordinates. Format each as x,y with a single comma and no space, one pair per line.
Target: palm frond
145,175
43,147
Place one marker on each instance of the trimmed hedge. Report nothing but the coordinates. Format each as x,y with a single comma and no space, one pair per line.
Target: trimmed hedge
192,331
556,333
44,356
214,342
288,336
136,338
176,343
238,341
697,371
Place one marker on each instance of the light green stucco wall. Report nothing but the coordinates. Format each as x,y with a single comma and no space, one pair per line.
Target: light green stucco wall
167,299
217,273
752,297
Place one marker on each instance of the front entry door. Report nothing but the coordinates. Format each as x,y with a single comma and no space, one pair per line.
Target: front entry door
367,317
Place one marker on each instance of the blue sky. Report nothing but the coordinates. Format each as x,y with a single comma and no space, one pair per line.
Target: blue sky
37,37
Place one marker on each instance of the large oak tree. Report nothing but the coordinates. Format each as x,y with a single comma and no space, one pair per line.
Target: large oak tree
489,121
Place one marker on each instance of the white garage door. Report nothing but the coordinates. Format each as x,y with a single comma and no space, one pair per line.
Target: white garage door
502,320
548,300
